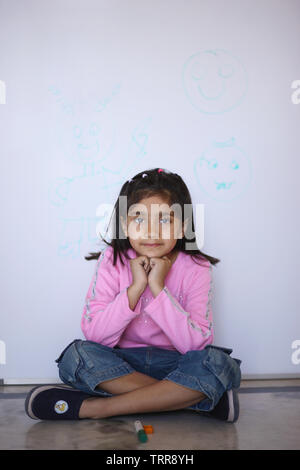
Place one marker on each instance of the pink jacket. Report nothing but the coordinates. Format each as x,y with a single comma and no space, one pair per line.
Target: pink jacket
179,318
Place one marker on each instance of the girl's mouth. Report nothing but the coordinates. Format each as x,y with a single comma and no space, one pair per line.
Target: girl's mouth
152,244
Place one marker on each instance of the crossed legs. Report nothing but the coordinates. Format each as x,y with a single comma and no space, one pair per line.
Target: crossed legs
136,393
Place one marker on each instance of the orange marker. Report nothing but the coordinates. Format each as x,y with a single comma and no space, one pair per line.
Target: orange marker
148,429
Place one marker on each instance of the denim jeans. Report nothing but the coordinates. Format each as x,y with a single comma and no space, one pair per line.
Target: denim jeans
85,364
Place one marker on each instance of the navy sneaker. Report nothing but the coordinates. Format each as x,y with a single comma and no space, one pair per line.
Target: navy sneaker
54,402
227,408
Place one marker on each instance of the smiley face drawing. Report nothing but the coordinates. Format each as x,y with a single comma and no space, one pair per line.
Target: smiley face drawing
214,81
223,171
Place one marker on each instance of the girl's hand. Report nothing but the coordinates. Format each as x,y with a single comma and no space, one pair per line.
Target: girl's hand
159,270
140,267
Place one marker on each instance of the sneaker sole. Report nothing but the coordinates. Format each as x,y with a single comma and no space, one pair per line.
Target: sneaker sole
234,407
34,392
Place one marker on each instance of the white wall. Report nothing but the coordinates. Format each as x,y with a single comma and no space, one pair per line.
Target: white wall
96,91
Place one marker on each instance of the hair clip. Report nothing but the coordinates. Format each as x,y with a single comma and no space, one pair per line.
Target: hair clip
144,175
131,180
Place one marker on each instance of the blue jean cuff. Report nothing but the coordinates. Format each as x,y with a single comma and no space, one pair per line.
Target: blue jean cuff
92,380
212,396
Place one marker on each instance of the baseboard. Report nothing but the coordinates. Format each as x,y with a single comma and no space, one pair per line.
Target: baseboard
28,381
269,376
38,381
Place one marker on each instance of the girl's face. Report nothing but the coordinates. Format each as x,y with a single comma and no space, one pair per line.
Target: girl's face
152,228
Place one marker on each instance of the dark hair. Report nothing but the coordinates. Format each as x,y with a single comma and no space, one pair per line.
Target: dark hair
169,186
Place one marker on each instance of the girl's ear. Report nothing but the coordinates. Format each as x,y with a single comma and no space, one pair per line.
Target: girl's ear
124,227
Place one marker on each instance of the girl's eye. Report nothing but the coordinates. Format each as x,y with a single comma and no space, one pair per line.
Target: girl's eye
141,218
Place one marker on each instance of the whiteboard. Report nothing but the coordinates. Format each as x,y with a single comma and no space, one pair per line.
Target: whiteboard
93,92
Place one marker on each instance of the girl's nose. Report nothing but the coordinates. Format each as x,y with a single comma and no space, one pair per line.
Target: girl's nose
154,231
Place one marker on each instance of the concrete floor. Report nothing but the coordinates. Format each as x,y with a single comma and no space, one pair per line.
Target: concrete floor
269,419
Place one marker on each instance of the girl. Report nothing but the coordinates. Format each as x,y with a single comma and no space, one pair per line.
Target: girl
147,319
